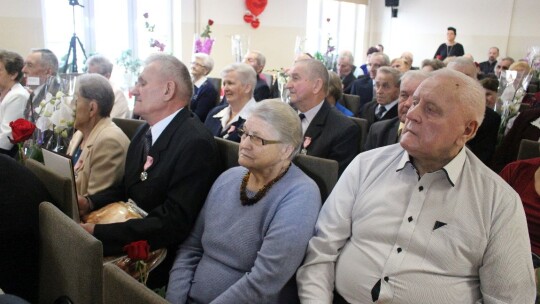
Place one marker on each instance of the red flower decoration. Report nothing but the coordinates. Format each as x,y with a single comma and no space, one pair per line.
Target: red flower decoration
21,130
138,250
210,22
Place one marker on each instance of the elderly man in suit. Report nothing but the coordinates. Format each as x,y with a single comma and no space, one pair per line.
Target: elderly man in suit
170,165
423,221
38,67
257,60
363,86
327,132
387,132
345,70
385,106
484,143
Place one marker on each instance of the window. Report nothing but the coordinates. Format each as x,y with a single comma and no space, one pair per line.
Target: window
346,26
107,27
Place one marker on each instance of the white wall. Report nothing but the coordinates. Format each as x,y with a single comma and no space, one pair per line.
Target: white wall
281,22
511,25
21,25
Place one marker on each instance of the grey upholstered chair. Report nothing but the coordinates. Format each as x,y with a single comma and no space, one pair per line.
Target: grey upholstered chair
528,149
351,102
59,187
129,126
216,82
70,259
363,124
119,287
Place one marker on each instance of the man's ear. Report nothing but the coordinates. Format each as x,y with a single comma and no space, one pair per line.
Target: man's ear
317,85
93,108
470,131
170,87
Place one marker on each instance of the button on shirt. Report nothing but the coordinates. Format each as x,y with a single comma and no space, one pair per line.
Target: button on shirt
457,235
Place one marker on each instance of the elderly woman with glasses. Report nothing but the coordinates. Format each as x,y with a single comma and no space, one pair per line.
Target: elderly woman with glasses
254,228
205,95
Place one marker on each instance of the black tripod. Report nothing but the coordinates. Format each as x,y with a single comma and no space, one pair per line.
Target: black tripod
73,44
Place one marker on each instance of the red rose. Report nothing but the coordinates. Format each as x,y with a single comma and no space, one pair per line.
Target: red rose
21,130
210,22
138,250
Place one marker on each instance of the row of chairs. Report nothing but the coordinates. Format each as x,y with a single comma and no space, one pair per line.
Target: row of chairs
71,266
71,260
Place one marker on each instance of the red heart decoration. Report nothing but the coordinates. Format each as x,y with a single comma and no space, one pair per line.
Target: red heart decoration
256,7
248,18
255,23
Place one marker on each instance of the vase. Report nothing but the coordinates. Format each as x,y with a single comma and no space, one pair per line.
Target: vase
203,44
239,46
58,143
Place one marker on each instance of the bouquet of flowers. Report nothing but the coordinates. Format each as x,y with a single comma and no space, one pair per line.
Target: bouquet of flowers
328,58
204,43
512,88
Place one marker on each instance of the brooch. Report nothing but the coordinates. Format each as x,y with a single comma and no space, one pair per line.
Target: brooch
147,164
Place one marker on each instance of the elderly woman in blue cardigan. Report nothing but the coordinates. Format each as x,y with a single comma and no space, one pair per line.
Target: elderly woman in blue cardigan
254,228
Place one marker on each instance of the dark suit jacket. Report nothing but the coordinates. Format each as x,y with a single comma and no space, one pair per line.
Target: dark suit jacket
487,68
214,125
484,143
22,192
262,90
184,168
368,112
382,133
347,82
363,87
521,129
333,136
204,100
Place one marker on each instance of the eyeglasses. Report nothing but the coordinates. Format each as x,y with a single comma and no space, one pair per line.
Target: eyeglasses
197,64
502,67
256,139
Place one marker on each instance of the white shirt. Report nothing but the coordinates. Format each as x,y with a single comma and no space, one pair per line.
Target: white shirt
199,82
387,107
225,114
11,108
457,235
160,126
309,115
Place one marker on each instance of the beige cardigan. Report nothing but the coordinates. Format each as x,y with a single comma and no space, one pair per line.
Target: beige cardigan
101,163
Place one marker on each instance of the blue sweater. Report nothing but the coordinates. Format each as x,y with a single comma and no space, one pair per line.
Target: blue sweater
246,254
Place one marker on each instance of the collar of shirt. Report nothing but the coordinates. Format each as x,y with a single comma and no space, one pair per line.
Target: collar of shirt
158,127
390,105
310,114
452,170
224,114
199,82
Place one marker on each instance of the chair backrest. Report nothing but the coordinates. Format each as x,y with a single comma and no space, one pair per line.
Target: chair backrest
528,149
364,128
228,153
70,259
129,126
59,187
323,171
216,82
352,102
119,287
